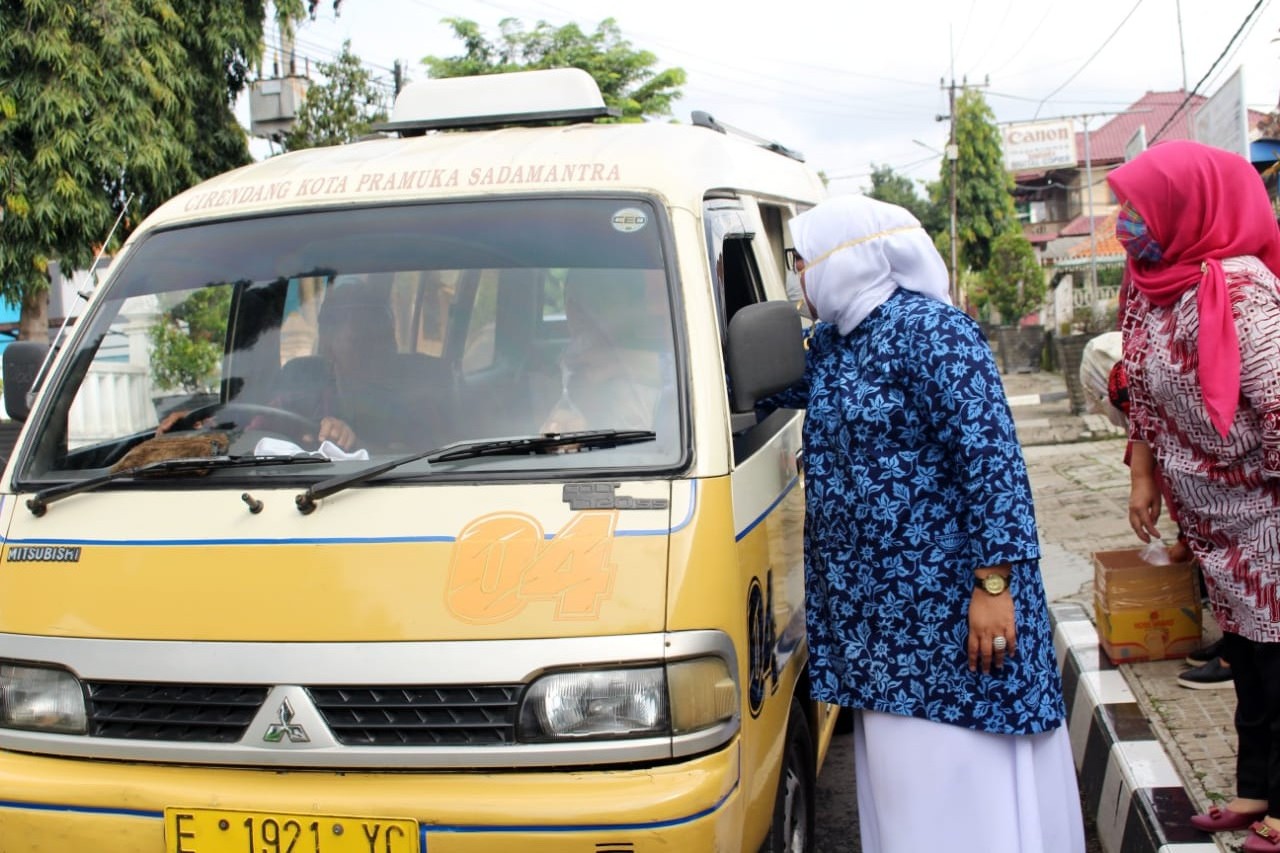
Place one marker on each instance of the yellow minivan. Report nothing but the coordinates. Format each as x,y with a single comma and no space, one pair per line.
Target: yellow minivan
413,495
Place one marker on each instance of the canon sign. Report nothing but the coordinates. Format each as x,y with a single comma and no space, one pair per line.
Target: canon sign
1040,145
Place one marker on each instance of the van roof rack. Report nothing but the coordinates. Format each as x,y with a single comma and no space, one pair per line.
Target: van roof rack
705,119
544,96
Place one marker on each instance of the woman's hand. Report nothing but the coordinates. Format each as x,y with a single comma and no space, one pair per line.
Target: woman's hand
990,616
1144,493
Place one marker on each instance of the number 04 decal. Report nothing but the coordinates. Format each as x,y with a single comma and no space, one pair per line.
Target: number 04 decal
501,562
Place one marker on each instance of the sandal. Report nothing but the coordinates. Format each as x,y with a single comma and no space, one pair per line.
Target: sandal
1262,839
1224,820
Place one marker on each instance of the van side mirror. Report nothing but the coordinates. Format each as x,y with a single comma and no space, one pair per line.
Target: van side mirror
765,354
20,364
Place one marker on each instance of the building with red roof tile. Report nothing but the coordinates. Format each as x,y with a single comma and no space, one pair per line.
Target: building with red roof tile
1056,203
1068,212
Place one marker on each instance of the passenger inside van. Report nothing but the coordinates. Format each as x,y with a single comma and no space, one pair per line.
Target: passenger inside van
617,371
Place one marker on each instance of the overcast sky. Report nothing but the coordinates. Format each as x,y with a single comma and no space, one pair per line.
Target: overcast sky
859,83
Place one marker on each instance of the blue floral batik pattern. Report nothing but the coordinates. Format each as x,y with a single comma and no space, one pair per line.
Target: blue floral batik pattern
914,478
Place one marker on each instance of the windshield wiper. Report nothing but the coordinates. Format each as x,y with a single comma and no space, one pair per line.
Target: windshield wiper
516,446
39,502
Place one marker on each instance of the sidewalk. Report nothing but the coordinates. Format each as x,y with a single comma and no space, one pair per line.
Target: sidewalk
1149,753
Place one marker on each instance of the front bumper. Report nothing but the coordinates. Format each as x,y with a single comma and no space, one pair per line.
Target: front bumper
112,807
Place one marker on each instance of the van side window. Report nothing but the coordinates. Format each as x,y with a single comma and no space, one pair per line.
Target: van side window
774,216
777,220
741,276
733,264
732,247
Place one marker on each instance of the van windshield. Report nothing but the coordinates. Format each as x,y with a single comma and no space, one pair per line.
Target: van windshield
376,332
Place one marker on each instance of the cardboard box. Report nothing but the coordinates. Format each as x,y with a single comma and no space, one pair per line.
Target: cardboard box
1145,612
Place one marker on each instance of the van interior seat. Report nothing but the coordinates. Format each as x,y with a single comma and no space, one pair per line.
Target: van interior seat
423,392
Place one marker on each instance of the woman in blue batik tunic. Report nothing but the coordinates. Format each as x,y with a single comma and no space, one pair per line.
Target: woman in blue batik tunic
916,492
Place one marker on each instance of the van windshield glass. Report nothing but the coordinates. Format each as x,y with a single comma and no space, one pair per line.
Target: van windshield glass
375,333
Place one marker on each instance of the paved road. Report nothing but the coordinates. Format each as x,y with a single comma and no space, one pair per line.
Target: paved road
837,818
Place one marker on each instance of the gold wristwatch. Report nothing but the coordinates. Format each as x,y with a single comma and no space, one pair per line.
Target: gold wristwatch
993,583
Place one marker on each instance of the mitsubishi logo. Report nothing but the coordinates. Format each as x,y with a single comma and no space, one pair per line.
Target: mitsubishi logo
285,728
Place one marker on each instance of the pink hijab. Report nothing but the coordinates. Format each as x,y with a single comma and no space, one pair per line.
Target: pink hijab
1201,205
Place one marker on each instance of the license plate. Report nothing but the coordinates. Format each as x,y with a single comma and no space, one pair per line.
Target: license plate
224,831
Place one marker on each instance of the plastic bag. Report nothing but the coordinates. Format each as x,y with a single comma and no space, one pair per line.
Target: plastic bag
1156,553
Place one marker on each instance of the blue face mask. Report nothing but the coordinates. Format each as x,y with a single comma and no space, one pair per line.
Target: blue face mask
1132,232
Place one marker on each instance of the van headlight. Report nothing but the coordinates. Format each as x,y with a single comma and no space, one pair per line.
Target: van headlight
656,701
40,698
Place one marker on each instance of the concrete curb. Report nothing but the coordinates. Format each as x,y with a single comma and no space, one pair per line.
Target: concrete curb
1020,400
1130,787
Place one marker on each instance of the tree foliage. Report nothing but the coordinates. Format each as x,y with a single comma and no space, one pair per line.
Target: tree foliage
104,102
626,77
98,106
889,186
187,341
984,190
1013,281
341,108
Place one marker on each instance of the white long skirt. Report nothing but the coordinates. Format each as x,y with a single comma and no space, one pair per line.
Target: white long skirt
932,786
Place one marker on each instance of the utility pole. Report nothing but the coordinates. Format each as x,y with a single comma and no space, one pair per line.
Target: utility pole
1182,50
1091,284
1092,289
953,160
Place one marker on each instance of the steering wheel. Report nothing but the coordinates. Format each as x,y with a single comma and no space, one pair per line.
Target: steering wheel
240,414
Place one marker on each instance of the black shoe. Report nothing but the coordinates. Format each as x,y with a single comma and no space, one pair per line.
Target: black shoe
1211,675
1203,655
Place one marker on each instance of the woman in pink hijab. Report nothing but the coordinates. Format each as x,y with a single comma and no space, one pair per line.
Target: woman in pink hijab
1202,352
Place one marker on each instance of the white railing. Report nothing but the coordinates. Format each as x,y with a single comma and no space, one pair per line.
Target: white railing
114,400
1103,293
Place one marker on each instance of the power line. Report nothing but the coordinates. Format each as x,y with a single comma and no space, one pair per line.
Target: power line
852,175
1010,97
1221,56
1091,58
1213,81
1025,41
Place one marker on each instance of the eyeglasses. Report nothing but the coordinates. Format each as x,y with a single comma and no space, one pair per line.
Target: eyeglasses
792,258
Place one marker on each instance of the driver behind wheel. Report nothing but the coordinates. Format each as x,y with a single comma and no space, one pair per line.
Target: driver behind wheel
356,341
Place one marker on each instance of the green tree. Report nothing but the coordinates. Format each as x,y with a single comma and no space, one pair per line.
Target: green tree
626,77
1013,281
94,106
340,109
105,102
187,341
888,186
984,190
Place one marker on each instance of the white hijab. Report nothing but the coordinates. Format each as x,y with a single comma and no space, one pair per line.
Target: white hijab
857,251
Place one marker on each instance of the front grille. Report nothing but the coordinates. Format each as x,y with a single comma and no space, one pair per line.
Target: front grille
193,713
419,716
